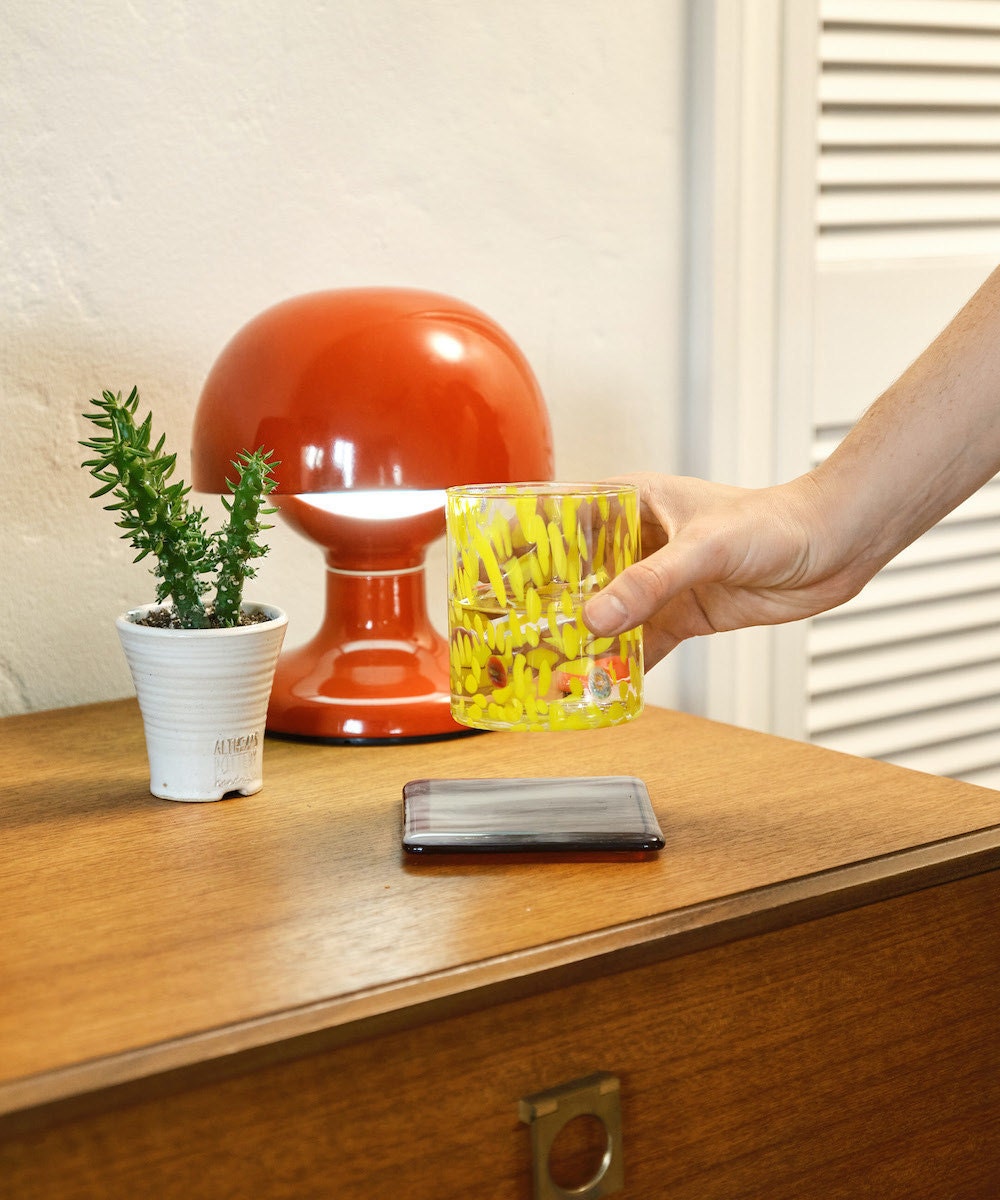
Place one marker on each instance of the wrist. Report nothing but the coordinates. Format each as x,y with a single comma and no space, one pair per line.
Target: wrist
849,536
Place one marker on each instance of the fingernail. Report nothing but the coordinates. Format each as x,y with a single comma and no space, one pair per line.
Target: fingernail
606,613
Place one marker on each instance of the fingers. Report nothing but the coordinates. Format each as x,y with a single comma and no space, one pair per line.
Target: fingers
656,645
688,532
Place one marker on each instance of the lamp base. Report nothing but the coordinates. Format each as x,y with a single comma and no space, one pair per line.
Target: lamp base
417,740
371,693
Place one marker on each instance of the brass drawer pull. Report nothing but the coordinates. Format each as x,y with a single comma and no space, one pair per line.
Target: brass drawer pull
548,1114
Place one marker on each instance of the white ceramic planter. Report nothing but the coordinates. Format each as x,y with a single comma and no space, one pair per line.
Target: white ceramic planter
203,695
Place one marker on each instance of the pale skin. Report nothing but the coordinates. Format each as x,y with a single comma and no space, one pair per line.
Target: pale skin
718,557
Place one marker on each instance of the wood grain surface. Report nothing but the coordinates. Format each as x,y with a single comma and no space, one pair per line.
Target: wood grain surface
137,935
853,1056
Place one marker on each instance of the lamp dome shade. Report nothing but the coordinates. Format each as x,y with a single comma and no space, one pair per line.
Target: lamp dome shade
365,388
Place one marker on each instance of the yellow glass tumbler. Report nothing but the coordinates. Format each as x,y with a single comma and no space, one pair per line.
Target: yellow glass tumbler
522,560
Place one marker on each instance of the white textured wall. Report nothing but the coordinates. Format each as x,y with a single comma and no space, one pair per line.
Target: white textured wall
168,168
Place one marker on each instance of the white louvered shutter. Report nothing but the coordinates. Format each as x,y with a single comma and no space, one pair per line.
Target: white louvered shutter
908,224
909,128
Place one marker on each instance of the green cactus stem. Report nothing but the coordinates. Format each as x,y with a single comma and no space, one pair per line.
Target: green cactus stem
238,541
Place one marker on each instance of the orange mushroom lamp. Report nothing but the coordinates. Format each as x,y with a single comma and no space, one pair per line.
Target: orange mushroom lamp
374,400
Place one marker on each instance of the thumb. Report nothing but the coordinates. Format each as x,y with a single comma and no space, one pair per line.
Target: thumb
644,588
607,613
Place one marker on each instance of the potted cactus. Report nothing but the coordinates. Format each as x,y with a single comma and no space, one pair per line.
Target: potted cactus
201,659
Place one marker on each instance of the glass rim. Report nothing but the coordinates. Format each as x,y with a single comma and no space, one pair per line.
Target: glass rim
541,488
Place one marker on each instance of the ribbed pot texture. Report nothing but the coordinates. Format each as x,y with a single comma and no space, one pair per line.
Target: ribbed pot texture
203,695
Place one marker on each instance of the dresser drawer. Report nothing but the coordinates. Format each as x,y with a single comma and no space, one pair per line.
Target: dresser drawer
852,1055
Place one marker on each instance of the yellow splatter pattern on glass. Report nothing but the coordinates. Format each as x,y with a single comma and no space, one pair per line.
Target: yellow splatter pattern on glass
522,559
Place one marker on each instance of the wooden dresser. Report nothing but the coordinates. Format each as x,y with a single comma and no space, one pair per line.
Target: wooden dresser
798,997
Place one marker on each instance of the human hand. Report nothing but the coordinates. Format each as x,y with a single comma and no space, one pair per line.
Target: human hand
717,558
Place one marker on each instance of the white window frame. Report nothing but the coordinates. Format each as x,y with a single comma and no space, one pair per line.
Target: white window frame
751,228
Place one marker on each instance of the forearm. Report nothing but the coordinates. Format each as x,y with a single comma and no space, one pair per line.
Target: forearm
720,558
926,444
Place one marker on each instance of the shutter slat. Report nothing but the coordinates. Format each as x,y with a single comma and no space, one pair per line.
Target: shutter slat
893,697
845,128
833,633
899,661
891,738
973,759
895,169
919,206
879,47
950,542
987,776
963,758
938,14
932,581
912,89
909,242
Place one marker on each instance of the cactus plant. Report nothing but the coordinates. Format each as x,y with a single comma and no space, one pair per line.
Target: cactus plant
158,519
